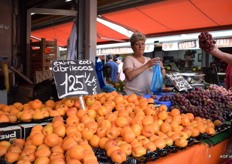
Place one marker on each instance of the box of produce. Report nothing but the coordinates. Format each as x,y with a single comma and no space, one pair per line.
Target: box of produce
26,128
10,132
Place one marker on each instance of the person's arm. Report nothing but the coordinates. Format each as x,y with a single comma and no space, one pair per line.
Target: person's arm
208,44
132,73
226,57
163,71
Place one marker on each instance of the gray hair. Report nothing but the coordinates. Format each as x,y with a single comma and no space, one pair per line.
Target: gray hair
137,36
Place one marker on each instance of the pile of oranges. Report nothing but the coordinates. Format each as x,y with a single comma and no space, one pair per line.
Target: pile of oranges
122,125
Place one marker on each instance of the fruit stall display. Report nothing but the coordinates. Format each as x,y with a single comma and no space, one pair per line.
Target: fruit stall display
113,128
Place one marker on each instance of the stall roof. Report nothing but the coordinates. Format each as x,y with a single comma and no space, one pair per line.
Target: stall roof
61,33
156,19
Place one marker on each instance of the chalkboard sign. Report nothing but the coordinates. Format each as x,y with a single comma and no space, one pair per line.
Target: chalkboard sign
75,78
179,82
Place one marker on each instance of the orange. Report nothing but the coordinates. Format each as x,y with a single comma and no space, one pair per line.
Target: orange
132,98
160,143
138,151
101,131
92,125
174,125
73,161
87,133
51,140
190,116
57,161
37,139
136,129
72,120
121,121
94,141
175,112
60,130
113,132
201,127
165,127
210,131
70,111
69,102
148,130
50,103
150,146
77,152
163,108
128,134
76,136
177,119
68,143
185,120
118,156
81,113
143,103
163,115
42,151
42,160
109,143
111,149
5,108
195,132
36,104
3,150
147,120
57,149
127,148
102,142
118,99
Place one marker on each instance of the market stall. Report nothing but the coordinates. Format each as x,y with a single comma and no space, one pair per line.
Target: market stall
115,128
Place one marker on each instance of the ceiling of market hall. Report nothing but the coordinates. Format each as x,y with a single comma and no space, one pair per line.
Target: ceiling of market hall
151,17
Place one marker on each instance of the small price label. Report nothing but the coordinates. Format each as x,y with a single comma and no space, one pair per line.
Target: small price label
180,83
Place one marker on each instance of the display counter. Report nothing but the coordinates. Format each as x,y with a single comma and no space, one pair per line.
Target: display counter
197,154
201,153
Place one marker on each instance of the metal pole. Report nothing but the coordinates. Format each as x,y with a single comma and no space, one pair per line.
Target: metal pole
80,30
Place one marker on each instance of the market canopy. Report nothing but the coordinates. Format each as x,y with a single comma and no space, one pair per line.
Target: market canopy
156,19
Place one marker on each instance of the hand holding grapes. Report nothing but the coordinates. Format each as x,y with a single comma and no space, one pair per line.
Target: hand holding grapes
206,42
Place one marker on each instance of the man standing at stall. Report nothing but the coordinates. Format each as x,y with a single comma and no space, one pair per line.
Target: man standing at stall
110,69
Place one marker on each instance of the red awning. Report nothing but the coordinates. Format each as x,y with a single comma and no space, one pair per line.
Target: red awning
62,32
156,19
175,15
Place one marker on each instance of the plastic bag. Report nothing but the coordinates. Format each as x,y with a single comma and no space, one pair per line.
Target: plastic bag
157,80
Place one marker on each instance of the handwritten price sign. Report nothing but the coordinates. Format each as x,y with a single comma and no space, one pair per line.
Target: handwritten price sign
75,77
179,81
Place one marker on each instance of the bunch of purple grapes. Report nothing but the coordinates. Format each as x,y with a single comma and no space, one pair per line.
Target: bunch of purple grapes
208,104
206,42
165,98
220,89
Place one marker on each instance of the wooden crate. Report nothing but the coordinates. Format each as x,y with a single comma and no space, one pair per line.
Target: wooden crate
42,54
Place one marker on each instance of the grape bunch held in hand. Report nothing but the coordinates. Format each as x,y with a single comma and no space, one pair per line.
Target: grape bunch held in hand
206,42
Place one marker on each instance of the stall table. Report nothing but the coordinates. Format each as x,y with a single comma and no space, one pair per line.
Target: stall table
202,153
197,154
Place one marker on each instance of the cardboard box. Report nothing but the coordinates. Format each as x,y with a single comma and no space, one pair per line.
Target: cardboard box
3,97
26,90
11,132
26,128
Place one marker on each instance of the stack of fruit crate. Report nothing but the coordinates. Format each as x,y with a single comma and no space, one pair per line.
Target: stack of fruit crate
42,54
